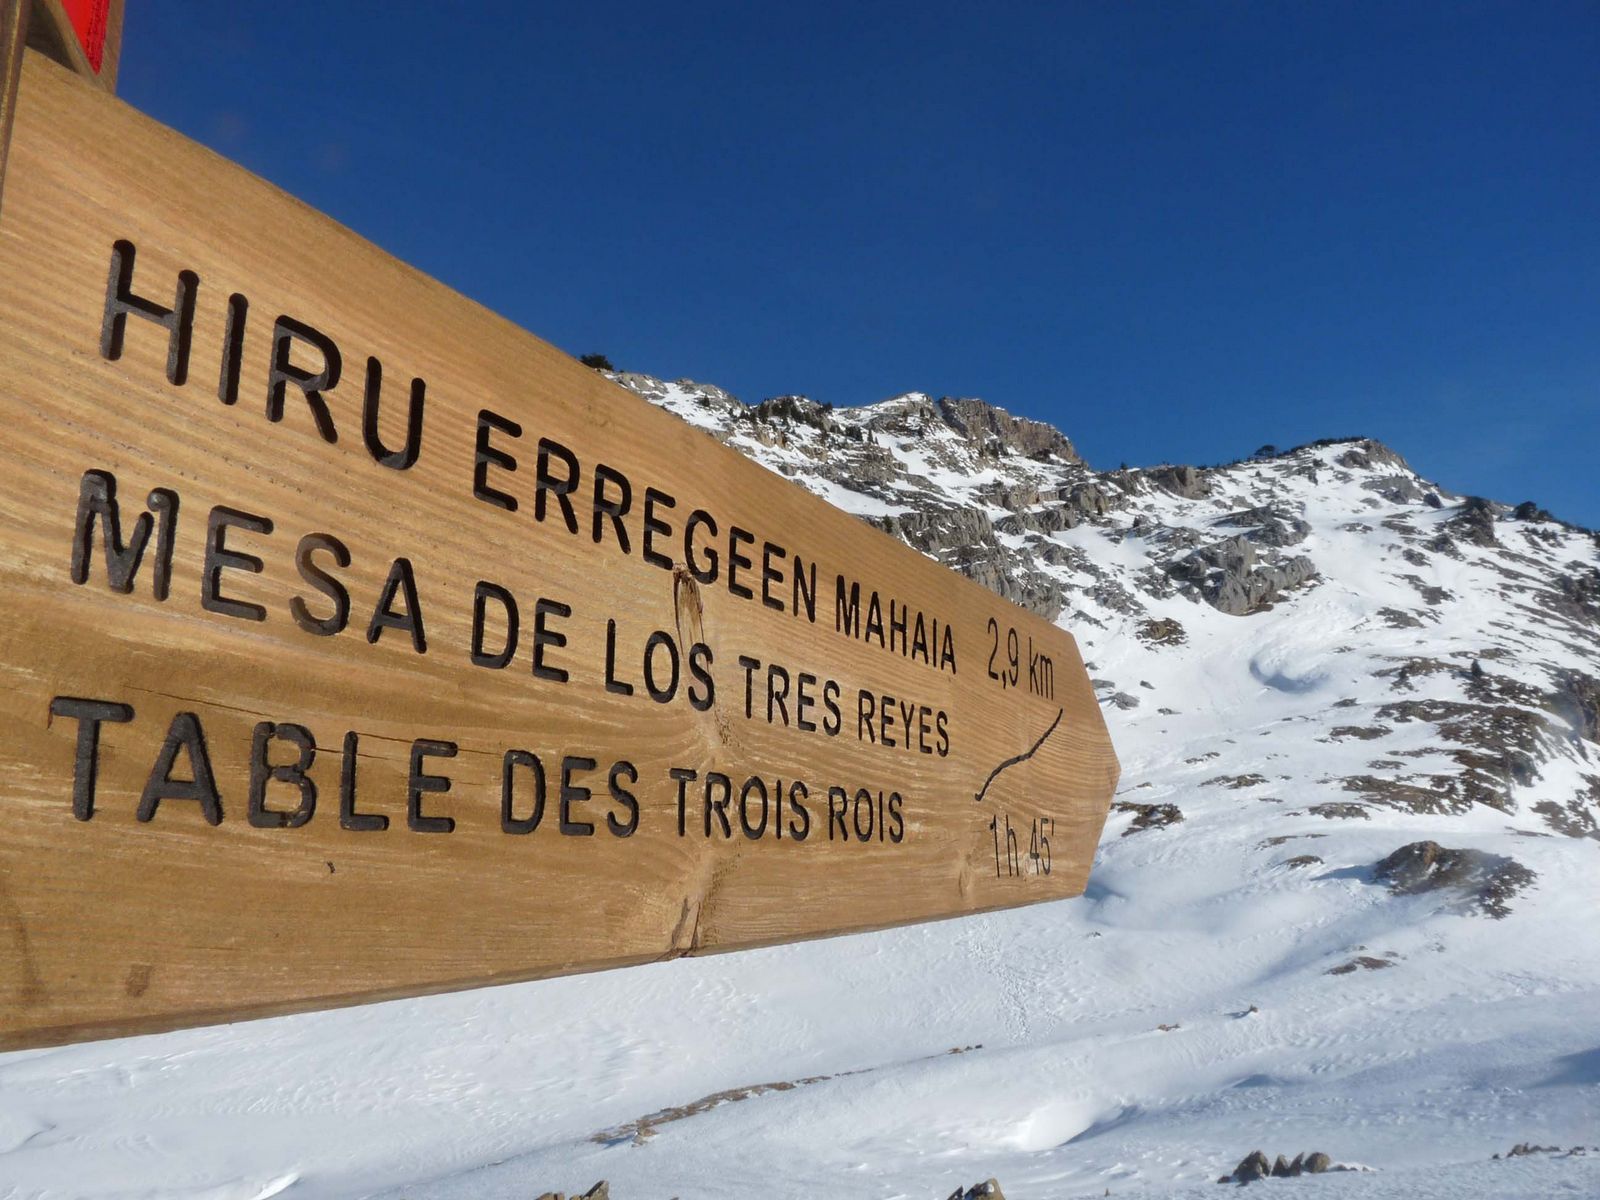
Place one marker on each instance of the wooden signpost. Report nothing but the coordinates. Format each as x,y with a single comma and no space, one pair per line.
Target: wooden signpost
83,35
356,644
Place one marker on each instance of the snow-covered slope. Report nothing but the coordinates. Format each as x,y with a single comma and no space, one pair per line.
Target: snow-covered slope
1309,661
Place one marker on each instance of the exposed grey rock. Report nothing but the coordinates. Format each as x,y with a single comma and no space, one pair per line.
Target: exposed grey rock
1013,496
1252,1167
1484,881
1474,522
965,539
1397,489
1227,576
1051,518
1269,525
1333,811
1577,702
1367,454
1576,596
989,1189
1317,1162
1188,482
1529,511
1362,962
1090,500
1523,1149
981,422
1148,816
1163,632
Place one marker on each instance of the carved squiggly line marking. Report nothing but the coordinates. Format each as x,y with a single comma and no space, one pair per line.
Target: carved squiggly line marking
1019,758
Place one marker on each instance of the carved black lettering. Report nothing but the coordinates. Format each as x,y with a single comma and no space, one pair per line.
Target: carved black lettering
661,693
481,595
847,609
804,701
805,589
509,821
751,666
777,692
184,733
737,560
178,320
866,711
897,821
798,795
405,457
717,781
705,568
626,826
611,506
834,721
89,714
703,691
899,622
655,527
486,455
232,349
561,487
219,558
421,783
684,777
838,813
262,770
874,625
941,724
324,582
349,818
544,636
285,332
863,799
618,687
401,580
753,830
97,501
574,793
771,574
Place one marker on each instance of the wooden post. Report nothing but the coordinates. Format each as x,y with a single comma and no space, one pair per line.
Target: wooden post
85,36
13,37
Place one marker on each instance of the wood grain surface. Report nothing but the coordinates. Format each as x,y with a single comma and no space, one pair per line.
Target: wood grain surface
259,693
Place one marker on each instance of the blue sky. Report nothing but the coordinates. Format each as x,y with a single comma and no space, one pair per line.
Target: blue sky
1177,231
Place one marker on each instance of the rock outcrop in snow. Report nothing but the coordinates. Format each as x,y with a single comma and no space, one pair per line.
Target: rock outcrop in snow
1443,648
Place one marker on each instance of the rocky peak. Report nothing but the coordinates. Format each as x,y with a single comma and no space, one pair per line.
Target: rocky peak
1409,607
985,425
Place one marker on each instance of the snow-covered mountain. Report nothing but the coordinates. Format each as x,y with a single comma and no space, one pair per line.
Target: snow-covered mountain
1348,899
